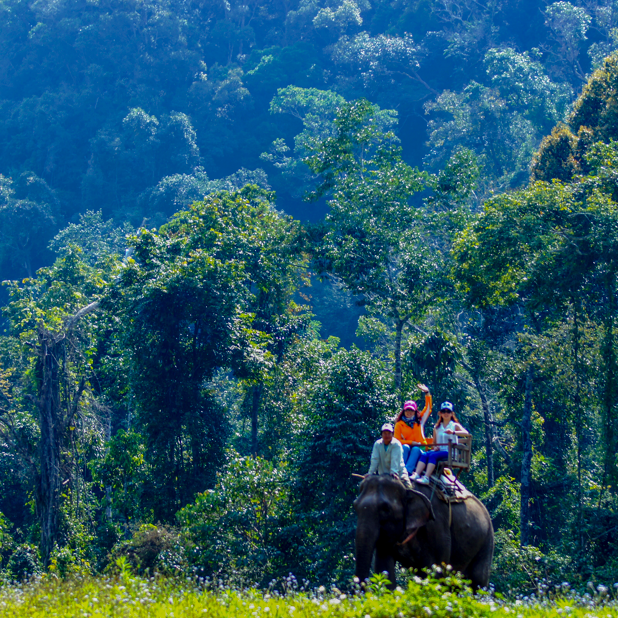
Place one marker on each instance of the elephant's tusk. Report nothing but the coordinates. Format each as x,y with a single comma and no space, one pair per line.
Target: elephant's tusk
409,537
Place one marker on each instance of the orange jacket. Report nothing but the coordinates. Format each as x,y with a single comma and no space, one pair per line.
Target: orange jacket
407,435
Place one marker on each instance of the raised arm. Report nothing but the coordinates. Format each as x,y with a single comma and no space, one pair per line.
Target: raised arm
426,412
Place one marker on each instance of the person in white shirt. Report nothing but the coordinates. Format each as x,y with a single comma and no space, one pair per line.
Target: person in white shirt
387,455
445,430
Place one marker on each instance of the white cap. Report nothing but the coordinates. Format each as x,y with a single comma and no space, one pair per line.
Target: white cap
387,427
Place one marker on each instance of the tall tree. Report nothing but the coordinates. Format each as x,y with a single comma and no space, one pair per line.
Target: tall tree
52,326
373,236
210,290
551,250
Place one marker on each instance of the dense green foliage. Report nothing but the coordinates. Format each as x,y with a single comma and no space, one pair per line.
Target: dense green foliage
190,378
564,153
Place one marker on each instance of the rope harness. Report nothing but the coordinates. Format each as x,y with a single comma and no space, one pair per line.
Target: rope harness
449,502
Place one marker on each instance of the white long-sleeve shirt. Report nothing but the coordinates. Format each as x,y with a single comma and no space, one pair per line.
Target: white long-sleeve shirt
387,460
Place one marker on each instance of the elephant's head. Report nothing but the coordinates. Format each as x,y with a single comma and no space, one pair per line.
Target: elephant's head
382,500
380,509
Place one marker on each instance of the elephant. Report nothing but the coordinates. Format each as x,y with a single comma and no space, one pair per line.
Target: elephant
414,527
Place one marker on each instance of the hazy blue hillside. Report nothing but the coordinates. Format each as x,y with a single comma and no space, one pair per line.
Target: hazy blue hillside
135,108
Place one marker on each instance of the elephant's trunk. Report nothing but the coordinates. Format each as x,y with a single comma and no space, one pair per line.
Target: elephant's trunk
366,538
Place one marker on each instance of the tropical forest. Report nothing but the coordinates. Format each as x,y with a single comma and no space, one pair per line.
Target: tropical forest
237,235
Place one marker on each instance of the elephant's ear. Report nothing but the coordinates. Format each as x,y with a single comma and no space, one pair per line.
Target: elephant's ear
413,508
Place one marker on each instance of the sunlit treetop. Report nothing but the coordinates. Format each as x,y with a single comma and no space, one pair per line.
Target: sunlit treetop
594,119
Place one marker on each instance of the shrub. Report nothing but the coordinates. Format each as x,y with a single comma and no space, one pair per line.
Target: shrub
152,549
232,532
525,570
24,563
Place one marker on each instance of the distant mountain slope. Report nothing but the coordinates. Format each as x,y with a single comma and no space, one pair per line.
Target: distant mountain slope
102,100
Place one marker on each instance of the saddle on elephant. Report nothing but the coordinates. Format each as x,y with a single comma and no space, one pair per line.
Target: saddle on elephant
446,486
449,488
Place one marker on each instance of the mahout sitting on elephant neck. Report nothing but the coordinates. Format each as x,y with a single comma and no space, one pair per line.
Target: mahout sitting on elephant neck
387,455
418,530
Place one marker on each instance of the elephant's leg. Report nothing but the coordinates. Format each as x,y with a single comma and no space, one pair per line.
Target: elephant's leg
386,562
473,542
478,569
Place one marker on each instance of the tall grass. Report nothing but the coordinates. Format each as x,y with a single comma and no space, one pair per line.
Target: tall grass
126,595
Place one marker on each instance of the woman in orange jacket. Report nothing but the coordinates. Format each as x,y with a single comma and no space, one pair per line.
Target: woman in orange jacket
409,429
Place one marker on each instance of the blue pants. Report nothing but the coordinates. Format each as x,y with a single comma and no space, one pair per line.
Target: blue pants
411,455
433,456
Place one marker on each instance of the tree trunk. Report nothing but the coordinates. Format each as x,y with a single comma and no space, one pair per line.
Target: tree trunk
526,462
51,427
577,403
55,413
255,407
489,431
108,488
398,336
609,355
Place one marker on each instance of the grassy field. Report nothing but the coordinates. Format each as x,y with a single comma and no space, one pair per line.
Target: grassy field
132,597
